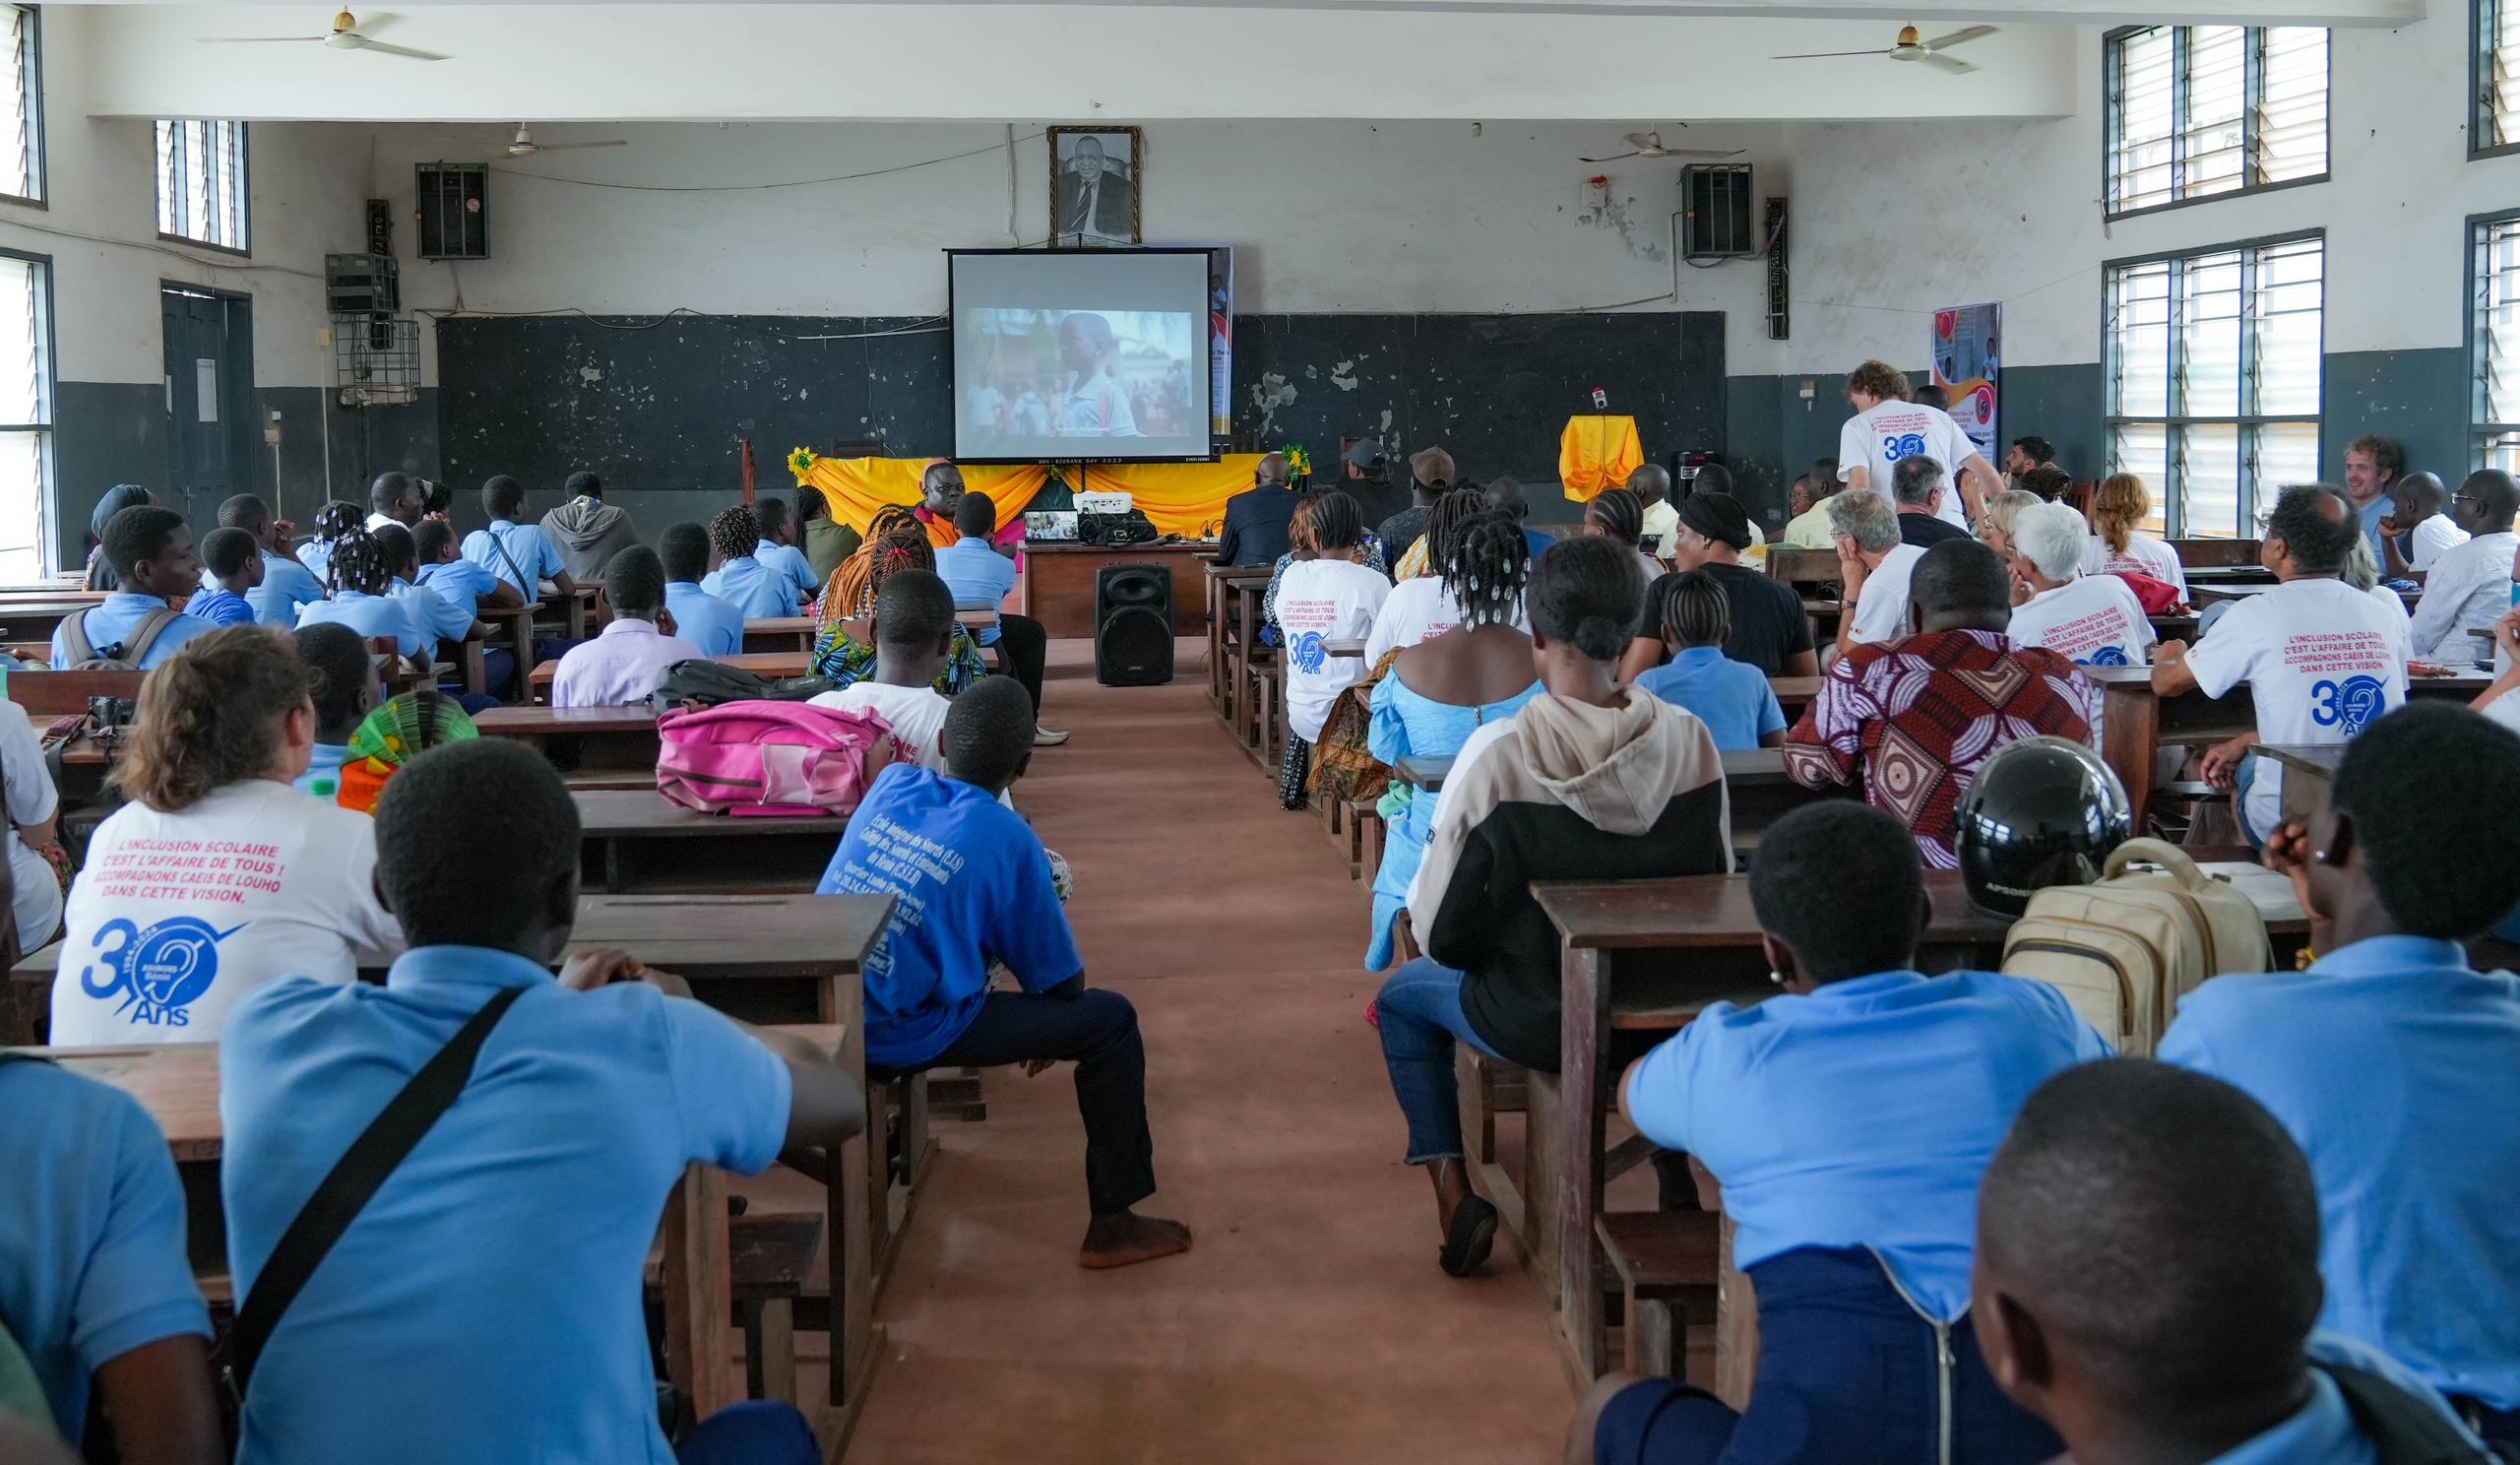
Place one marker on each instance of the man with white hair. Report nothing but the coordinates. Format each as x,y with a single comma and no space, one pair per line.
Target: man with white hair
2092,620
1874,563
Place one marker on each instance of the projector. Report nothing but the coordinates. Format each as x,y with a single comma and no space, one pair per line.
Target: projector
1105,503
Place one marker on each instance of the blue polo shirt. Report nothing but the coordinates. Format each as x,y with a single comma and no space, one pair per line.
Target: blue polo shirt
977,575
1733,698
971,884
498,1268
437,617
2373,512
91,1233
1863,1115
460,581
753,588
111,622
790,561
220,606
527,553
369,615
2396,1071
2323,1431
713,625
285,586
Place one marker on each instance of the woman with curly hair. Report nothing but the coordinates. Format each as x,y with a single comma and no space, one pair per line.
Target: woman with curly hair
2119,545
841,653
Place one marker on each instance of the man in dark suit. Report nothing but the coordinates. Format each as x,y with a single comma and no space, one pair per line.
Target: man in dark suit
1096,196
1256,518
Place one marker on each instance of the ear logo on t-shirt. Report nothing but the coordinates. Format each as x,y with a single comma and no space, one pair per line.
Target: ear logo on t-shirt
1309,652
1902,445
2351,703
160,971
2107,656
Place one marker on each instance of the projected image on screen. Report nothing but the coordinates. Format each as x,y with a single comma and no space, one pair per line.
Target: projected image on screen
1079,374
1080,356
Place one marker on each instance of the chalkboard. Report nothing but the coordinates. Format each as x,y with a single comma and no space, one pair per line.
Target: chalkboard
659,404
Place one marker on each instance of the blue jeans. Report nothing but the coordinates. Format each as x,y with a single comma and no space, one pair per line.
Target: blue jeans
1418,1012
2241,777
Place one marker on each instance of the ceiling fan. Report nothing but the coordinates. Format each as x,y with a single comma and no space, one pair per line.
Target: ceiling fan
1650,145
1911,49
525,146
345,35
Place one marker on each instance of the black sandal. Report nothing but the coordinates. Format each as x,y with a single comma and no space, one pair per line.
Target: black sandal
1470,1237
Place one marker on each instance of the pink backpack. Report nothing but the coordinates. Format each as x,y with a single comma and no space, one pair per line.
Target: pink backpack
771,758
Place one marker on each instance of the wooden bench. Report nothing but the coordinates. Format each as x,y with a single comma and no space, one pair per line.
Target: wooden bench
1224,648
772,665
1641,959
1666,1262
1754,779
778,633
1245,590
598,746
2203,555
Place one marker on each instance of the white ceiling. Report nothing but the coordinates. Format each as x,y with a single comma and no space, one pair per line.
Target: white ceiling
1070,60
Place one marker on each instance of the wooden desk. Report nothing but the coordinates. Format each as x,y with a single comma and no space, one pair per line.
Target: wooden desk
1247,595
1647,956
36,617
2205,554
578,739
778,633
636,841
2136,725
178,1085
1058,582
511,626
1755,786
1221,684
1344,647
2310,776
2248,573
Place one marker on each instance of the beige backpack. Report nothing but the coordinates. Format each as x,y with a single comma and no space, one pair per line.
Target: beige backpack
2125,949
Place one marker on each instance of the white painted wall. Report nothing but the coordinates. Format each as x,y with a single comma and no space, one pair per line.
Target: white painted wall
1892,220
1326,217
100,229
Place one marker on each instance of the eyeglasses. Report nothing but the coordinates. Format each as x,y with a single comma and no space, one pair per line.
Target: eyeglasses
2460,499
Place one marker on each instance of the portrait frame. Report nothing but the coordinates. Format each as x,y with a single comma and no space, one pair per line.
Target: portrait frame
1124,159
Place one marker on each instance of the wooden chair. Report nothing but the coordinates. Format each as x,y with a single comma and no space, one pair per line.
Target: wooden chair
1668,1264
1366,818
1803,567
771,1257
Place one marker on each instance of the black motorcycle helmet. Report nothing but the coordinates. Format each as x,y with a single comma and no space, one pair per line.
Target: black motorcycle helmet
2043,811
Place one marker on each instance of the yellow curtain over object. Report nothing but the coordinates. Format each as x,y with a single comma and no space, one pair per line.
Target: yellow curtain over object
1595,453
1178,498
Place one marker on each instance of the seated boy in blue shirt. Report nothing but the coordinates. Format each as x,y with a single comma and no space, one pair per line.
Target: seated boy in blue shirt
973,886
286,583
2391,1062
499,1264
715,626
2148,1276
152,551
1733,698
517,553
741,580
778,551
1849,1118
231,568
95,1284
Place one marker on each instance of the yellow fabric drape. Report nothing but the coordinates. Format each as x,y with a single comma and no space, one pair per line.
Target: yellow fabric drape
1179,499
1595,453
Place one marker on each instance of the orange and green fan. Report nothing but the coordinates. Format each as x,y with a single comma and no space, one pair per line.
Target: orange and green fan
394,735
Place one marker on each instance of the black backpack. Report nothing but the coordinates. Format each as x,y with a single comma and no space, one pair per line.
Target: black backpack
705,683
2404,1428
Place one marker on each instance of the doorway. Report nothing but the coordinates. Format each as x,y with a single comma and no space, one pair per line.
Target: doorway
211,452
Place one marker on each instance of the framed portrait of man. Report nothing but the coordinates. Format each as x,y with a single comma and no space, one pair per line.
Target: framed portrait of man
1095,175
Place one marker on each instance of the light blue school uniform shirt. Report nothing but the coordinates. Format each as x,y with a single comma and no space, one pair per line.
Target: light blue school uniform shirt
790,561
220,606
91,1233
286,584
2323,1431
971,884
323,766
2397,1071
460,581
111,622
527,553
316,558
713,625
369,615
498,1269
1863,1115
753,588
437,617
1733,698
977,575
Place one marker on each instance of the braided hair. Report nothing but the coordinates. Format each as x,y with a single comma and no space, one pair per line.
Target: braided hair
1444,519
1619,515
1486,566
334,518
1338,521
735,533
1695,611
361,561
851,590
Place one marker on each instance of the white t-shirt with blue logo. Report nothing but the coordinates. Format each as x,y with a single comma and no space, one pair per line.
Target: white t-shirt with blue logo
1876,438
2090,620
177,915
2324,660
1321,601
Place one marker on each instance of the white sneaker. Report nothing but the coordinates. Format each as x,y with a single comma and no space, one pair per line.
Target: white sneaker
1047,738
